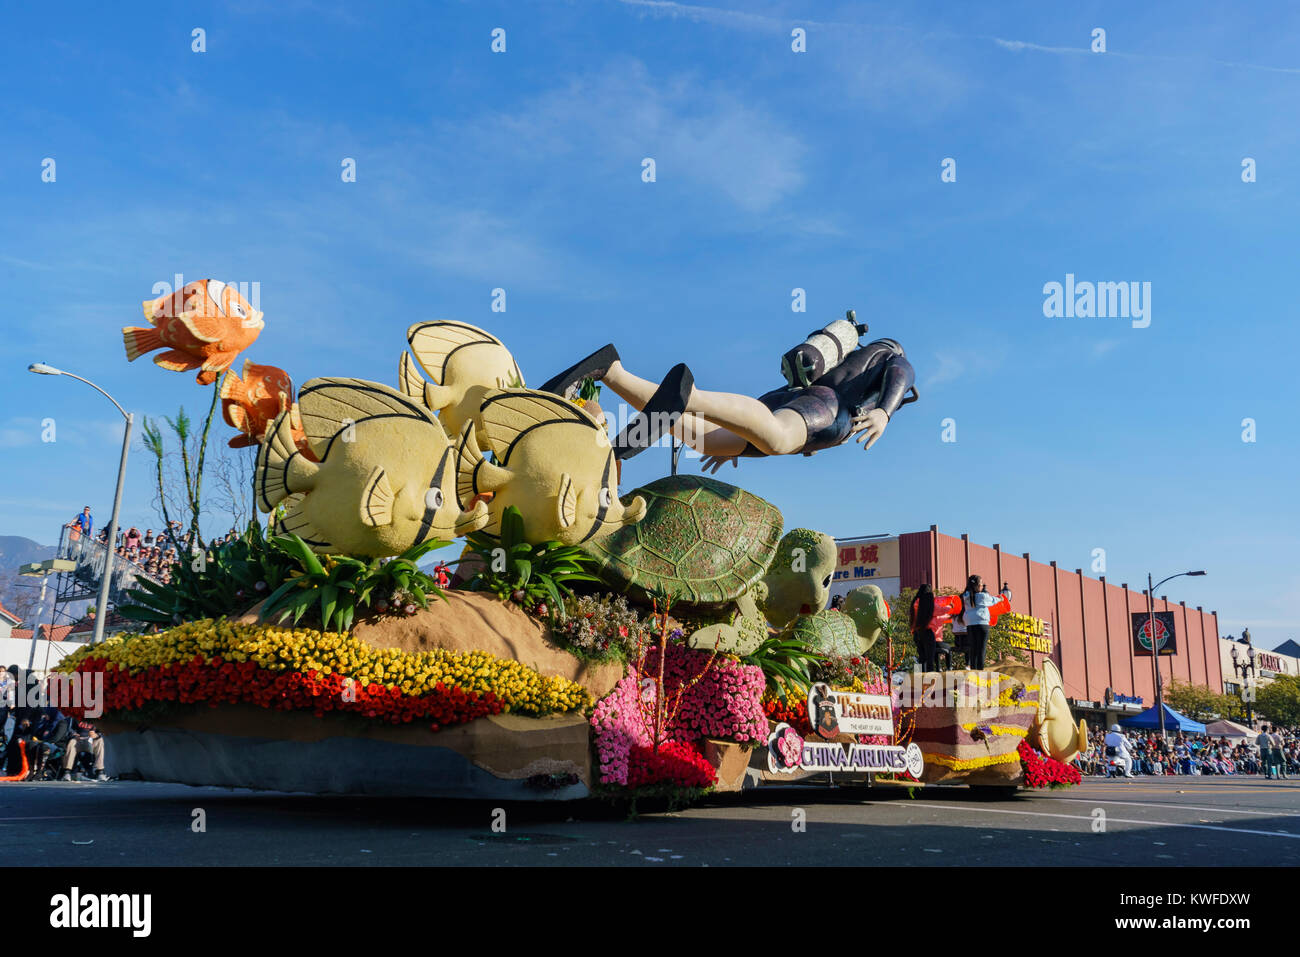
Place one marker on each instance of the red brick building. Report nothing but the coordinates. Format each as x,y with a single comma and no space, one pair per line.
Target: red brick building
1089,617
1084,621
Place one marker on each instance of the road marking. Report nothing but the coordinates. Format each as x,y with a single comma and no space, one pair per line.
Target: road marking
1116,820
1185,807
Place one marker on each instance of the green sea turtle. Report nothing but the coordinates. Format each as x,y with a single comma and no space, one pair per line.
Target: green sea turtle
719,551
849,631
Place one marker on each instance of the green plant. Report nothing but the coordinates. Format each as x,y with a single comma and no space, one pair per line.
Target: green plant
787,664
333,588
529,575
211,583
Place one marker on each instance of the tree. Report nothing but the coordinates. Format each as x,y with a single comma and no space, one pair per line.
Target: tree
179,471
1279,701
1198,702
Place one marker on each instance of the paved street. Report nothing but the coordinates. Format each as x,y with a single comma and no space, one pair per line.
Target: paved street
1168,822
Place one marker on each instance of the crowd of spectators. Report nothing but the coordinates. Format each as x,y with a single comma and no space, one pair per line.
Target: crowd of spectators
152,554
41,742
1151,753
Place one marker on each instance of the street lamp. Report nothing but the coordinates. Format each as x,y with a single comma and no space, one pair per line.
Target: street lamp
1155,650
1246,669
101,606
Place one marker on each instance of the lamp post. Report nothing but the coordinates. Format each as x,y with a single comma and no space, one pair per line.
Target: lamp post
1246,669
101,606
1155,650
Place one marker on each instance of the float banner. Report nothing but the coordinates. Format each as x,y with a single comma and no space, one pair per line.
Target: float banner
788,752
1165,638
847,712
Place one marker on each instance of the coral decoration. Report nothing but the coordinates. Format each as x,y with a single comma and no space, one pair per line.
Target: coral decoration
207,662
1042,771
204,326
724,703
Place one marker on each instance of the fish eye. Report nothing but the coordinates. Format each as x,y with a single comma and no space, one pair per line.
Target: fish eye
826,582
433,498
605,498
239,311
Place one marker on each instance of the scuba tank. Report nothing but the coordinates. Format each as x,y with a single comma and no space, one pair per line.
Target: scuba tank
821,352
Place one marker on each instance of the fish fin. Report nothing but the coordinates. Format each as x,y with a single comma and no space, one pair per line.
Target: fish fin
153,309
233,388
176,360
201,327
236,415
325,404
566,502
281,469
409,379
377,499
434,342
242,441
509,413
475,474
139,340
297,523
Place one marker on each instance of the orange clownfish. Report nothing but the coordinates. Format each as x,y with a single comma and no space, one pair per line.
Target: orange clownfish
250,403
205,325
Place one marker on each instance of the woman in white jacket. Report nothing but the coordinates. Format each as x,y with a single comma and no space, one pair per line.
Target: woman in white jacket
976,602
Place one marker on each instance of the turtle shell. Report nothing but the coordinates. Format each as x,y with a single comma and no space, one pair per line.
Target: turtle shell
828,632
705,541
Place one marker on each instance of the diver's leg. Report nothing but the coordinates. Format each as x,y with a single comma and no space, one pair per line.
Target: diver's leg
782,432
705,437
732,420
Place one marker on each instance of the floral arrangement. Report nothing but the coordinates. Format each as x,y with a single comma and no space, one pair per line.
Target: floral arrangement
218,662
724,703
793,712
676,764
1042,771
601,627
841,671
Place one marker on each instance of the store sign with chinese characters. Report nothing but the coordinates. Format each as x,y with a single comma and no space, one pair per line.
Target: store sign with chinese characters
862,562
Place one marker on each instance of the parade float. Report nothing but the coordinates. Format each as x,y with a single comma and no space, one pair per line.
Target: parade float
452,598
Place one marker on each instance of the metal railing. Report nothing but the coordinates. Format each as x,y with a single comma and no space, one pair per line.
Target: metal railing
90,556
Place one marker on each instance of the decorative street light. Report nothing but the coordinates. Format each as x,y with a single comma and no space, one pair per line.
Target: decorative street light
1155,648
1246,669
101,606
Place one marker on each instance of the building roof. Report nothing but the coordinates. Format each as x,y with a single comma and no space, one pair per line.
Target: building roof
60,633
1290,648
9,614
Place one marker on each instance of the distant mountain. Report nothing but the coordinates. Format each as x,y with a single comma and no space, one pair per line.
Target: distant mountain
15,591
16,550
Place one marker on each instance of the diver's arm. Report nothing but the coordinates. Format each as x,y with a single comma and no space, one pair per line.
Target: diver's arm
899,376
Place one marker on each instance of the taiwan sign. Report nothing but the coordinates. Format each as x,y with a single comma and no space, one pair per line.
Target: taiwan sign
1165,639
848,712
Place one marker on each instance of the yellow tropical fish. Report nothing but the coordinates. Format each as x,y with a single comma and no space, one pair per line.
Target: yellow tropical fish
464,362
551,460
385,478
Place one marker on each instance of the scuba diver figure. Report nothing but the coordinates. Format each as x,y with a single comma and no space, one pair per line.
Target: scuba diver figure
835,388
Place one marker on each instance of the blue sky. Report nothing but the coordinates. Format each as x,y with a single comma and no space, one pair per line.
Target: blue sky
775,170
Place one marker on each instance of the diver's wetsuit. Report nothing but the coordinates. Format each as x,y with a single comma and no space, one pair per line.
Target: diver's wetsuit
874,376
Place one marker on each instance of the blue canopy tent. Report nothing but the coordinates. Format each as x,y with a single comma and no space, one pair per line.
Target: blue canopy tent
1174,721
